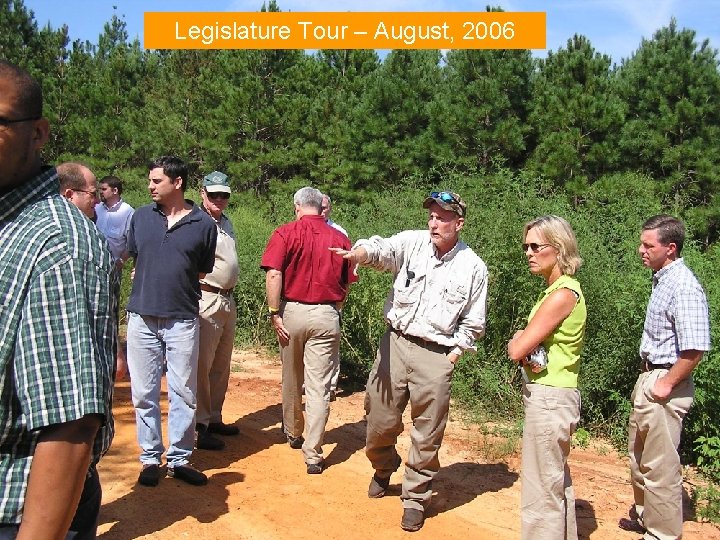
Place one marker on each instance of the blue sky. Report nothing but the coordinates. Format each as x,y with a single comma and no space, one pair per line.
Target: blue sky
614,27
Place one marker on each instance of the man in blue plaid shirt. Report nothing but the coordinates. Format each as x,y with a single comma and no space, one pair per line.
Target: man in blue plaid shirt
676,333
58,335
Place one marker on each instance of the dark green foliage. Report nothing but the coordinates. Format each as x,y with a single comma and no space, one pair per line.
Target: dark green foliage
671,87
480,118
575,114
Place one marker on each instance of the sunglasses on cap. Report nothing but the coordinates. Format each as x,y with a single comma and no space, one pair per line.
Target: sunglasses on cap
444,196
534,247
217,195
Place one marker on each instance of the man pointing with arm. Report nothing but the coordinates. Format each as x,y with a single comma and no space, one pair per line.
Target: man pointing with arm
435,311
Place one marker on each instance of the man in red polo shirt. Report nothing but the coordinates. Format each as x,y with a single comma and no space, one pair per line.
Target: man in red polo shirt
306,286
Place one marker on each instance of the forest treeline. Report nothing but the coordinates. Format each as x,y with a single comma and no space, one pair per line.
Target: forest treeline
346,119
605,144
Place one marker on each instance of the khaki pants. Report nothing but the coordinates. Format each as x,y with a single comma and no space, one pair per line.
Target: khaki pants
310,357
408,371
547,498
654,437
217,335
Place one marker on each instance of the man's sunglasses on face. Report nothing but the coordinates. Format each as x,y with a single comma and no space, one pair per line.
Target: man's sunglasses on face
218,195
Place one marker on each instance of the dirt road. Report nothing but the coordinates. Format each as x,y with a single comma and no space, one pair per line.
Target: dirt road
258,487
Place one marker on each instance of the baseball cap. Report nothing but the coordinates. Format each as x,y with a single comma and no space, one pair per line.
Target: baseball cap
449,200
216,182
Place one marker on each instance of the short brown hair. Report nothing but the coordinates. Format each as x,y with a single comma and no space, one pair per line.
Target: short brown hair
113,182
670,230
71,176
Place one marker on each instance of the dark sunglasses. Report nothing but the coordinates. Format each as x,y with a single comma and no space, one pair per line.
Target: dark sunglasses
218,195
444,196
534,247
5,122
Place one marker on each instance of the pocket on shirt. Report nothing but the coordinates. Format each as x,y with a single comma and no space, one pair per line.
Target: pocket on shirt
405,297
452,302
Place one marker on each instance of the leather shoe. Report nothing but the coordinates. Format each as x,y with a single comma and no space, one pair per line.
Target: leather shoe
315,468
295,442
205,441
223,429
412,520
378,485
632,525
188,474
150,475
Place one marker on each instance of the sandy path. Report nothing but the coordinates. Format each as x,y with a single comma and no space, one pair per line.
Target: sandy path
259,489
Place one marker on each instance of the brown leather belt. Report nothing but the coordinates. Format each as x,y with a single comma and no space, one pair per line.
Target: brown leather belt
647,366
216,290
431,345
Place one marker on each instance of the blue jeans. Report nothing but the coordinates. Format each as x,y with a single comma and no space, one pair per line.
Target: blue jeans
149,341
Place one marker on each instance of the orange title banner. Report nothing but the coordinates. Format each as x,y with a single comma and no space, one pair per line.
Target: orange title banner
345,30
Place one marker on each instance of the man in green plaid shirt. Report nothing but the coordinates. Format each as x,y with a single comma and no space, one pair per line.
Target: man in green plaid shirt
58,335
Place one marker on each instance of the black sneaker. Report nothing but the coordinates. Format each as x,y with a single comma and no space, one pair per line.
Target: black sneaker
295,442
223,429
205,441
150,475
187,473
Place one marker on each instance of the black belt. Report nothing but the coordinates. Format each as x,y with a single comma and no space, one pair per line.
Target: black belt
648,366
217,290
422,342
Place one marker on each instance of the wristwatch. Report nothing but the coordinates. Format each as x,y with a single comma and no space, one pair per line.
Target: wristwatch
271,312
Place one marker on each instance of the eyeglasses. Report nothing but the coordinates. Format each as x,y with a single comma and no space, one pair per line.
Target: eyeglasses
93,193
218,195
444,196
5,122
534,247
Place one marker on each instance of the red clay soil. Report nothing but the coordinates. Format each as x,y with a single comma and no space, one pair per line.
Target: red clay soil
258,487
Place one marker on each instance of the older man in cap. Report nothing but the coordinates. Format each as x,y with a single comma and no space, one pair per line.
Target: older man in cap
217,319
435,311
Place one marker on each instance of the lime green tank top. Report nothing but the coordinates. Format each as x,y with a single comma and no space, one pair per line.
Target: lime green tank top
565,344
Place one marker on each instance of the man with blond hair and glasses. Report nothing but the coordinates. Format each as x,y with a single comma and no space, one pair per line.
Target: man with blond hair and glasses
434,312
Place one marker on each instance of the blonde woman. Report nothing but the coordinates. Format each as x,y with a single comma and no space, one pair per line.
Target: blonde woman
549,351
